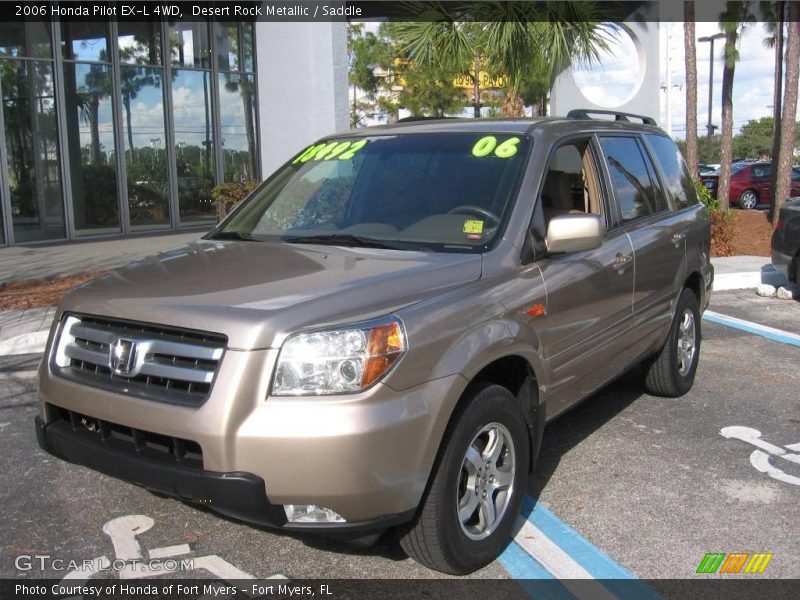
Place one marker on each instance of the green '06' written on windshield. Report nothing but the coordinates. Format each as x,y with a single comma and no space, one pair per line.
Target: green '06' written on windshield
343,150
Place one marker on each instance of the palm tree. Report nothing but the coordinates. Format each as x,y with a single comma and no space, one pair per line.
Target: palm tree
691,86
516,38
783,162
775,26
732,23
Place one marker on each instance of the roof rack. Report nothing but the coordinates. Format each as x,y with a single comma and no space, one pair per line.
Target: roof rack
584,113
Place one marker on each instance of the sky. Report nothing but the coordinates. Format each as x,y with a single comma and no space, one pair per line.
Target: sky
753,78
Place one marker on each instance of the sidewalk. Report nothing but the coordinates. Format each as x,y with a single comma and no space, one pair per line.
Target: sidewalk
25,331
40,261
742,272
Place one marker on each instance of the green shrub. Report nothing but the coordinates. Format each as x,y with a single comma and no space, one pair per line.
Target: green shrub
721,222
227,195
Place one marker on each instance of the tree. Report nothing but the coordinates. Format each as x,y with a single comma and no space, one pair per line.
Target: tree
783,164
775,26
516,38
691,86
732,23
370,59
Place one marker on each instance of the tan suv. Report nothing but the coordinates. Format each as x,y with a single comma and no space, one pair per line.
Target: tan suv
377,336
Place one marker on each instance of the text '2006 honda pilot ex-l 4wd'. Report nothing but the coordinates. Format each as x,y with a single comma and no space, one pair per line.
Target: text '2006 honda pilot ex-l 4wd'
376,337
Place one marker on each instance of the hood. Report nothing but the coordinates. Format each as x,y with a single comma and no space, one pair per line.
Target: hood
255,293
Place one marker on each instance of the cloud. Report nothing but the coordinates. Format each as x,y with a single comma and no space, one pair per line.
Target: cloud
753,78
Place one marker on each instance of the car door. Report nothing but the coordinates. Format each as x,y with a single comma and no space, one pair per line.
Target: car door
656,231
795,182
762,182
588,293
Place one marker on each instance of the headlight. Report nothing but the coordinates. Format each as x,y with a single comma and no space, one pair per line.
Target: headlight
338,361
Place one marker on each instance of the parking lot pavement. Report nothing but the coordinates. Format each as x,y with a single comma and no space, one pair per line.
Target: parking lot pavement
650,482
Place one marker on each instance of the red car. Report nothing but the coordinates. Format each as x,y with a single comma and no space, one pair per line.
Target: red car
751,184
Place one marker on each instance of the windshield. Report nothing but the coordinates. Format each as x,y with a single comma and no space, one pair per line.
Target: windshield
442,192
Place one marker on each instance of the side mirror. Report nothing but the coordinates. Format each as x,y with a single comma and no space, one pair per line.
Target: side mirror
575,233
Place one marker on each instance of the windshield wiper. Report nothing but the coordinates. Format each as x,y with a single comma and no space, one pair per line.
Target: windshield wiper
233,235
346,239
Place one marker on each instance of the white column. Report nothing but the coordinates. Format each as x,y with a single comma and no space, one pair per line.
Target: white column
302,86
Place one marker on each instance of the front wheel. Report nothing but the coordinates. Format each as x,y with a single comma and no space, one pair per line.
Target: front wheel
748,200
476,490
671,372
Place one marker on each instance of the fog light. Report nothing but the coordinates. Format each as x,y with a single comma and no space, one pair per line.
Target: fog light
309,513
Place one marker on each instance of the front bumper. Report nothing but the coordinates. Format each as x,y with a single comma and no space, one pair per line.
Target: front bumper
365,456
238,495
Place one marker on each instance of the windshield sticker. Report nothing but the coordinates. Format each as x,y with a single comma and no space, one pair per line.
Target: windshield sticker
330,151
488,144
473,228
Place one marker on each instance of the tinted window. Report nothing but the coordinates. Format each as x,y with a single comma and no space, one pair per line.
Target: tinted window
762,170
634,188
675,171
445,192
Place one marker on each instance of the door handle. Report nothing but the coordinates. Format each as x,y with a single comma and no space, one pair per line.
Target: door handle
678,238
621,262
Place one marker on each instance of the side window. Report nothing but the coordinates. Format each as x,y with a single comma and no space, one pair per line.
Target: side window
570,183
762,171
636,192
675,170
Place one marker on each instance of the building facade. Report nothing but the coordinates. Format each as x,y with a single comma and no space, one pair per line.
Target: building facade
116,128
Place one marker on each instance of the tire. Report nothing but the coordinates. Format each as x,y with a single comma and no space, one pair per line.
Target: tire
439,537
671,373
748,200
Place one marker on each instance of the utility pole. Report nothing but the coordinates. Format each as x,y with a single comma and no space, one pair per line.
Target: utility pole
710,126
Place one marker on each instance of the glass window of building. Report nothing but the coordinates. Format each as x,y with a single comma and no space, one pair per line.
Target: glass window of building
234,49
90,145
25,40
84,40
32,190
189,45
86,108
194,144
139,43
143,125
238,127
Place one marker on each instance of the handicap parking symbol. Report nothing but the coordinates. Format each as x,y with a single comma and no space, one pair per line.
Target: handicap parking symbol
762,457
130,562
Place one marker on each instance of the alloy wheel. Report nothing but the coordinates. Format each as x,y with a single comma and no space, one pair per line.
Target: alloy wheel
486,482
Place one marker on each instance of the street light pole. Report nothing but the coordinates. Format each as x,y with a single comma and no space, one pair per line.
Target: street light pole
710,126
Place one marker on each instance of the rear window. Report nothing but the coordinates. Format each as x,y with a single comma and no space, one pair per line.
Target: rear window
678,179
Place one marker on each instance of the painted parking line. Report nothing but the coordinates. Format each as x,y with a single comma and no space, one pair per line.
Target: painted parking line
770,333
546,548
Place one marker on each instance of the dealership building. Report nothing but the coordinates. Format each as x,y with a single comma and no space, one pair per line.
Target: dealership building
112,128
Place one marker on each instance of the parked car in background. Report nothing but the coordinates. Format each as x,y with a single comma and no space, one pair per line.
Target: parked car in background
751,184
707,169
786,241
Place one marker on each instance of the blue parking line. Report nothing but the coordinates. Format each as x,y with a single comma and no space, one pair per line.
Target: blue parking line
753,328
582,551
521,565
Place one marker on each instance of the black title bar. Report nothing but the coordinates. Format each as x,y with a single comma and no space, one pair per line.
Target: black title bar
20,11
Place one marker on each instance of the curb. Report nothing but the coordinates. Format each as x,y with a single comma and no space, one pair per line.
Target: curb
748,279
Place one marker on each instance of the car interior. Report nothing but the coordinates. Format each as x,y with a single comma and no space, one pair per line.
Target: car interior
571,185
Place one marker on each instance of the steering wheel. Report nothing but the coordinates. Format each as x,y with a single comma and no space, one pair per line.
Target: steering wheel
493,219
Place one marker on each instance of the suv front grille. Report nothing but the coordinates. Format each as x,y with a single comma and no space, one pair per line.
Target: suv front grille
134,441
165,364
